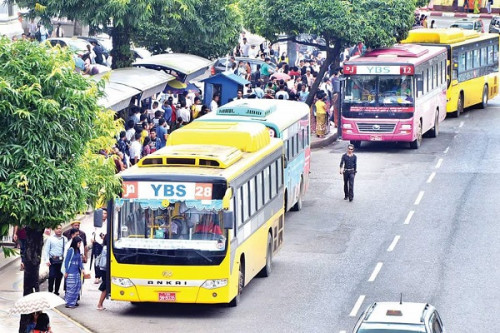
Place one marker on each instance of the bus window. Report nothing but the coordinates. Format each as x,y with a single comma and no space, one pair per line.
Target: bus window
253,196
237,207
495,54
484,57
246,202
260,191
468,61
476,58
490,55
274,180
267,185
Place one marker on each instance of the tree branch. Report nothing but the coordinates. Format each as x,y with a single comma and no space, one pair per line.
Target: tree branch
294,39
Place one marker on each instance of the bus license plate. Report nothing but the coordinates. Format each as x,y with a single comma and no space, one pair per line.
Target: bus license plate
166,297
376,137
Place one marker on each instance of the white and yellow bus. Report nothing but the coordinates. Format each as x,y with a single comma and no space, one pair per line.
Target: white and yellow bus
472,71
198,219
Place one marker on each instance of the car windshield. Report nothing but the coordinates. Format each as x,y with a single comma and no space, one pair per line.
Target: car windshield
463,25
379,90
390,328
149,225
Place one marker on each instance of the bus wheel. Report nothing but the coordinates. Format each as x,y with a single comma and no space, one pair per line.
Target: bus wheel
298,205
435,130
241,282
484,101
415,144
460,106
267,269
356,143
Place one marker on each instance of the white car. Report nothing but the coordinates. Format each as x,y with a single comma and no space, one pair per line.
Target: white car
401,317
77,45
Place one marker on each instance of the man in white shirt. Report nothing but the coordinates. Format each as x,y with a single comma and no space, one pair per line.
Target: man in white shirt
253,52
54,256
183,114
244,48
214,104
135,149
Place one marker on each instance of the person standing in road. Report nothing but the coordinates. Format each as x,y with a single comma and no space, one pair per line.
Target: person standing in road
54,254
348,168
74,270
488,5
102,264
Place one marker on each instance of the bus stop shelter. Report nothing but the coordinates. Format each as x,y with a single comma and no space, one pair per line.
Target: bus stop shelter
226,85
124,86
184,67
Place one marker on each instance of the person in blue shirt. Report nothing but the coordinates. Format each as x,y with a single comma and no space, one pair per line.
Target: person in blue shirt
162,132
74,269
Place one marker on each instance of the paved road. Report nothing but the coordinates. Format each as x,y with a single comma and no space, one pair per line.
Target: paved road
423,223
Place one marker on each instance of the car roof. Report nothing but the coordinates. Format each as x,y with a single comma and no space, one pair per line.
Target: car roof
395,312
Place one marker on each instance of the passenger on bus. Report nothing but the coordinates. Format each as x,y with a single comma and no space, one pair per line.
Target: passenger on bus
209,224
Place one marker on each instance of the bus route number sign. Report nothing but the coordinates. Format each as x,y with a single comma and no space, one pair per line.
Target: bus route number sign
166,190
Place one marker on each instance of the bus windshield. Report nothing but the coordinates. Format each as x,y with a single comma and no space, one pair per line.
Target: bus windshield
379,90
148,225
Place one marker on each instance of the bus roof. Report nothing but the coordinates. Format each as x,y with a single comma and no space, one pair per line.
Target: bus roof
448,36
277,114
201,172
399,54
247,137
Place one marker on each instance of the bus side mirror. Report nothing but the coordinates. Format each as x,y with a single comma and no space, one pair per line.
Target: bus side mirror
228,218
98,214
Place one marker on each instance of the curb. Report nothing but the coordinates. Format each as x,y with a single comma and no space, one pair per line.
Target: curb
9,263
320,143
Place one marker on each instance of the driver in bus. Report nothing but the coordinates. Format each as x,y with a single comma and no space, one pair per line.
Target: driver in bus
404,92
209,224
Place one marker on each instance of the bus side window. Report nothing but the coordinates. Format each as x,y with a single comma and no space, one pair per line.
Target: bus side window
273,176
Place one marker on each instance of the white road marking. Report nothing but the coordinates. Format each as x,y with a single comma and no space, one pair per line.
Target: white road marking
467,115
461,124
393,244
446,150
355,309
408,218
342,331
431,177
438,164
419,197
375,272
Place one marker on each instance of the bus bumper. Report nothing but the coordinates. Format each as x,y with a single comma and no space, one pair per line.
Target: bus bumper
378,130
129,292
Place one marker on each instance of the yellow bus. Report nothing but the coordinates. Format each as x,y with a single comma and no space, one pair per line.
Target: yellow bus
198,219
472,70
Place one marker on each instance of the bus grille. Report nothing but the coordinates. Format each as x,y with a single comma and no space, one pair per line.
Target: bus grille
376,128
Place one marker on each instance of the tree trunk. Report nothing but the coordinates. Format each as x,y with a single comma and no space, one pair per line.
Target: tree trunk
32,258
121,53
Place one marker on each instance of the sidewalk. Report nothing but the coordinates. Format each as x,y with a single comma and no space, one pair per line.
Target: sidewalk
9,271
327,140
448,11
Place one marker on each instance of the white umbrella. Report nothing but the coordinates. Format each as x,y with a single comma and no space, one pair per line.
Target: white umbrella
34,302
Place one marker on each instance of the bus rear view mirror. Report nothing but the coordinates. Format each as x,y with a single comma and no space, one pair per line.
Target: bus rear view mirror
98,214
228,218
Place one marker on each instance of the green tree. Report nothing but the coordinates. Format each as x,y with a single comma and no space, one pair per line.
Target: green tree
52,130
123,17
211,33
338,23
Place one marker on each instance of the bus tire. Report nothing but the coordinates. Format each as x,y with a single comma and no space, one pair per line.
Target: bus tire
484,100
241,283
356,143
298,205
460,106
267,269
415,144
433,133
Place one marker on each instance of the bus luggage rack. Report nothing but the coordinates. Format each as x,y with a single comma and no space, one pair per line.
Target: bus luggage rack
376,128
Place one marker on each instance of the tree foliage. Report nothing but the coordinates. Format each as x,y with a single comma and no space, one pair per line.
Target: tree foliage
339,23
122,16
211,33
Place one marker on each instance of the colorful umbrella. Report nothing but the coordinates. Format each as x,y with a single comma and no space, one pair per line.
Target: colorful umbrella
280,76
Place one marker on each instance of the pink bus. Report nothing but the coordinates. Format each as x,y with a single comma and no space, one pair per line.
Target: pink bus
395,94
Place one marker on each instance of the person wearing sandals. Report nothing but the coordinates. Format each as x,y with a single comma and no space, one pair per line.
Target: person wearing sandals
74,269
102,262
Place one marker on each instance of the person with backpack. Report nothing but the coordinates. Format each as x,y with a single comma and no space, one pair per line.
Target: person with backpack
102,262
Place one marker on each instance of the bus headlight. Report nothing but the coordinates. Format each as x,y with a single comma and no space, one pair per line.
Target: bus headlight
122,282
406,127
347,126
213,284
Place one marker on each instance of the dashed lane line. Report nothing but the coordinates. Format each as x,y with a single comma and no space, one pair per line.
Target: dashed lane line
393,244
439,163
419,197
408,218
446,150
431,177
461,124
375,272
467,115
357,305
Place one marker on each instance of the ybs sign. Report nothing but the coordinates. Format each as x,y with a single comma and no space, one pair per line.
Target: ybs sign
166,190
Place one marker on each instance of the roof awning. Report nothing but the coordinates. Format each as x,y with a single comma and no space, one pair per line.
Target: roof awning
184,67
117,96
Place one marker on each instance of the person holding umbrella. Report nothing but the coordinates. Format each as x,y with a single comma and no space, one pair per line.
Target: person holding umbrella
33,305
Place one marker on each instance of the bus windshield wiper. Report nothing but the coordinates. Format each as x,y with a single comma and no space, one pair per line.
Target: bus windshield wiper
203,256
